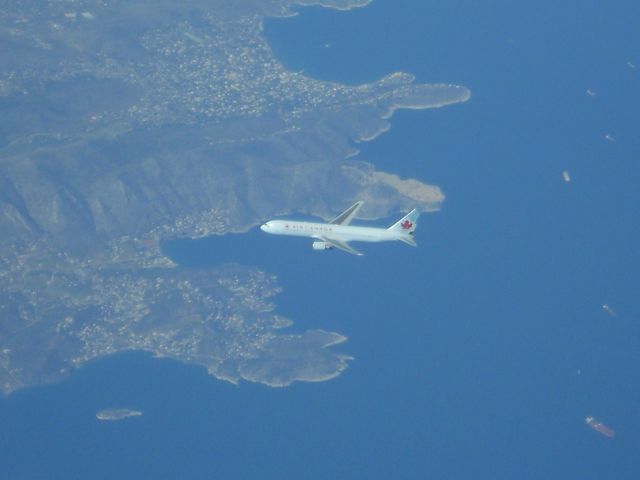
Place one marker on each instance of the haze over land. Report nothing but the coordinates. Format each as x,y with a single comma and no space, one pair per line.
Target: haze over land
130,123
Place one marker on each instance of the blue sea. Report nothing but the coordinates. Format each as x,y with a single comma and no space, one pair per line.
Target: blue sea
477,355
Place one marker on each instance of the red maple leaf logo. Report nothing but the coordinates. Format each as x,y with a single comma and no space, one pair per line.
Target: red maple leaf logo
406,225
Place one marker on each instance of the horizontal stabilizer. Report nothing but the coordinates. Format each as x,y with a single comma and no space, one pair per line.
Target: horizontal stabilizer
409,240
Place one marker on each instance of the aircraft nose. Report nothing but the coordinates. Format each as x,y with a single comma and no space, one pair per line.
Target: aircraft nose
264,227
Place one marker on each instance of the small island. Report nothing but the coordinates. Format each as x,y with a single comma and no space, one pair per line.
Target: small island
113,414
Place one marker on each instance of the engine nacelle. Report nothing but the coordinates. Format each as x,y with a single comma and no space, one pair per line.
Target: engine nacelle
321,246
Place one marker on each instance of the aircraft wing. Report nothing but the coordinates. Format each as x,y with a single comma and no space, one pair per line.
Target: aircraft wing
344,246
345,217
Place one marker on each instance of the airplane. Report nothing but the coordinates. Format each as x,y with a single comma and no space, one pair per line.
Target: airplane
338,233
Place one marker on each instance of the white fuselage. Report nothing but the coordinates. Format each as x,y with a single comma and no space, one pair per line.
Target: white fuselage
343,233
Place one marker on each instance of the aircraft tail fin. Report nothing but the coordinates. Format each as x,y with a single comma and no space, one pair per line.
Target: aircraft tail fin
406,224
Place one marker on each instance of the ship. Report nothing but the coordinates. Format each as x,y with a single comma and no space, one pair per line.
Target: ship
599,427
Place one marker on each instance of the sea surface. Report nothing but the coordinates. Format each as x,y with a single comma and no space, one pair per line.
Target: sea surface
478,354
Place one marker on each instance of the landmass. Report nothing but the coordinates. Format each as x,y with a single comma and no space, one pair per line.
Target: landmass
131,122
114,414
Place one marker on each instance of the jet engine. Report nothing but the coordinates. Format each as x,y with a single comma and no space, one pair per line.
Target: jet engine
321,246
